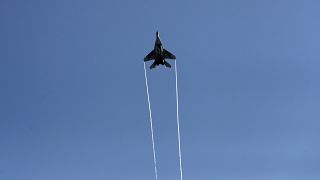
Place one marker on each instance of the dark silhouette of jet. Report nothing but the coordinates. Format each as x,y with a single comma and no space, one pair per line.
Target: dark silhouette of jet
159,54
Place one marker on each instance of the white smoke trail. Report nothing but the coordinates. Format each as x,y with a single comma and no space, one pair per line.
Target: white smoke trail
178,119
151,125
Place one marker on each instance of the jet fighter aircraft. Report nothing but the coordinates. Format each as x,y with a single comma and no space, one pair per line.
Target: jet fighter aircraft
159,54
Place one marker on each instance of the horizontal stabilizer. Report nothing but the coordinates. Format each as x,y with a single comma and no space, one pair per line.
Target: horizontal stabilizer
153,65
167,64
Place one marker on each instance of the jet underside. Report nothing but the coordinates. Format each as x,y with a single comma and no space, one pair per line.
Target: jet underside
159,54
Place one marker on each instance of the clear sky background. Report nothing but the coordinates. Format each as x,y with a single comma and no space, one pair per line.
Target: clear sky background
73,102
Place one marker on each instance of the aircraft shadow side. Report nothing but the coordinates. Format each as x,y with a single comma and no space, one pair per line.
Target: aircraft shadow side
159,54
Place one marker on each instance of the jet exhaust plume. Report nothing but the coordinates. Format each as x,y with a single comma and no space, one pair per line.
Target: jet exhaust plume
151,124
178,119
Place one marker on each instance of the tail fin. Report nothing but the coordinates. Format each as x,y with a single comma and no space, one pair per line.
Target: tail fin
153,65
167,64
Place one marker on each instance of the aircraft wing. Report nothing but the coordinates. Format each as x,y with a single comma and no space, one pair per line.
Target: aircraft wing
150,56
168,55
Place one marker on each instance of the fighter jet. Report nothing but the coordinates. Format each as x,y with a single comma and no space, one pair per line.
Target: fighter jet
159,54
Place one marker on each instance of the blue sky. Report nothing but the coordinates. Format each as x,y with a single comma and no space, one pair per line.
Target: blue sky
73,102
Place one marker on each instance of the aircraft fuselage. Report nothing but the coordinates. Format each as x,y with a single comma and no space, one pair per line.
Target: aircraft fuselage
159,54
158,49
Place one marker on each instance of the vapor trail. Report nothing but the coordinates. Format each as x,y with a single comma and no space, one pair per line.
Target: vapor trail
151,125
178,119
